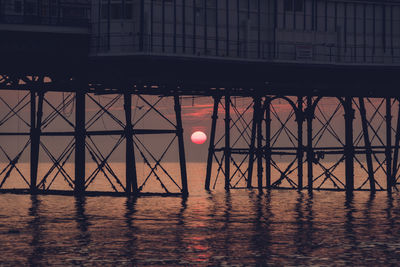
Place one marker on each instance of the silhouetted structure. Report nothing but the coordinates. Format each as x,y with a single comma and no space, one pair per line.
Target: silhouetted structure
294,51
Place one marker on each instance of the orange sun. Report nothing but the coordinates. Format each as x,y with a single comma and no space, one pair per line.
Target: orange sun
198,137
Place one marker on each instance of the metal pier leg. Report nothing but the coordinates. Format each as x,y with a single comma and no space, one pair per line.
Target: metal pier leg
130,164
179,132
389,144
211,147
367,143
33,155
36,124
310,152
268,143
227,149
33,138
80,135
349,146
259,143
396,148
252,146
300,119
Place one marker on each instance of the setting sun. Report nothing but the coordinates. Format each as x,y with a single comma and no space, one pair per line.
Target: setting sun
198,137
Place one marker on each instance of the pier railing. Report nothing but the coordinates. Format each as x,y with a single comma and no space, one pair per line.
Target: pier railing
121,44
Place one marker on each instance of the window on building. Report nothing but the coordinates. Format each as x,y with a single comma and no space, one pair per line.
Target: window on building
294,5
30,8
116,10
53,10
104,11
128,10
74,12
18,7
288,5
298,5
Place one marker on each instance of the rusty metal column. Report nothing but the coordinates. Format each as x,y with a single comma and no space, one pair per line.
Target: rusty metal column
396,147
227,149
367,144
259,142
300,120
33,154
349,146
130,163
32,137
80,135
252,146
36,116
388,150
310,152
268,142
179,133
211,147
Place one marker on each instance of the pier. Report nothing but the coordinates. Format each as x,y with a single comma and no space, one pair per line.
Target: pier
301,54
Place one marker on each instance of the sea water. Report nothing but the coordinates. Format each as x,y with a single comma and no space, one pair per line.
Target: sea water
217,228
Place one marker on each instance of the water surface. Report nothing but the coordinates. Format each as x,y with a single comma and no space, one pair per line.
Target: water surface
243,227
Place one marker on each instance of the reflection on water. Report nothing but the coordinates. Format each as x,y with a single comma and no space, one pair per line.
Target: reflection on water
83,236
35,225
130,234
209,228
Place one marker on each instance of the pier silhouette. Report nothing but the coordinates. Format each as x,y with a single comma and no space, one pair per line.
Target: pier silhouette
300,54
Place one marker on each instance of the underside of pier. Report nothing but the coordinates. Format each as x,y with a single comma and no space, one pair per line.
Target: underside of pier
275,125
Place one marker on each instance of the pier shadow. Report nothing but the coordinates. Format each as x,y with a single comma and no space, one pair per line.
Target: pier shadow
390,217
35,224
132,230
261,239
83,238
370,220
349,224
227,213
226,225
218,247
305,231
180,230
181,214
391,230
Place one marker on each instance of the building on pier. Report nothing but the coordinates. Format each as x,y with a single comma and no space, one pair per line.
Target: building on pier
44,35
292,30
329,31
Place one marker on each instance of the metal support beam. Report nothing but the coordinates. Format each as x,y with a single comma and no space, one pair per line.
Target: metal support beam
211,148
267,107
130,164
36,124
349,146
389,181
396,147
367,143
182,159
300,120
259,116
80,135
310,152
252,145
227,150
32,136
